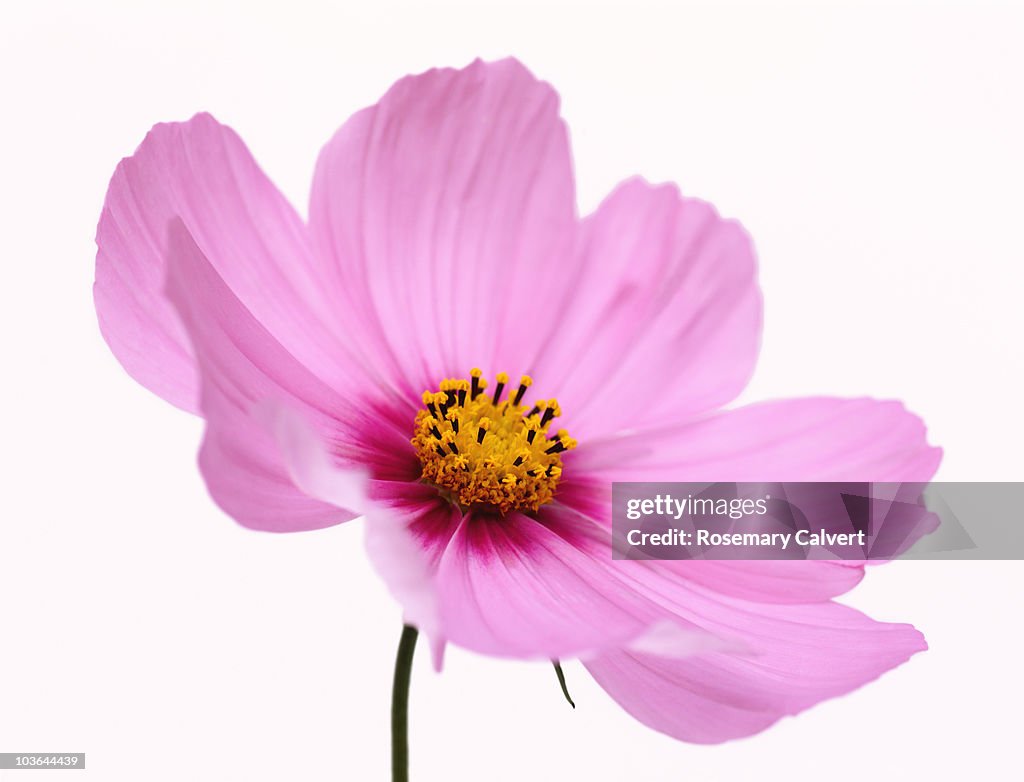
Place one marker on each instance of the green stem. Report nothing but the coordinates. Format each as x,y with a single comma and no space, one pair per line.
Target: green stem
400,705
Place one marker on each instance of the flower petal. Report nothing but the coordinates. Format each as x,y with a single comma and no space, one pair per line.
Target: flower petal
773,581
546,588
813,439
791,440
800,655
447,209
517,588
309,462
201,172
664,322
406,556
243,370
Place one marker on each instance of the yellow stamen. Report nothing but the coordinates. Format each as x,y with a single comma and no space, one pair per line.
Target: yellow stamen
481,451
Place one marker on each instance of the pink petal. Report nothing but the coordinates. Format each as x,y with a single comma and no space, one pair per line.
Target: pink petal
808,439
408,563
307,457
547,587
664,321
447,210
800,655
242,371
770,581
201,172
813,439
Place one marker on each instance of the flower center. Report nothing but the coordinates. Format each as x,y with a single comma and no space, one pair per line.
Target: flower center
482,451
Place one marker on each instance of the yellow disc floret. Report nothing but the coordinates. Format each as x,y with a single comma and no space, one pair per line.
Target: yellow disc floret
480,450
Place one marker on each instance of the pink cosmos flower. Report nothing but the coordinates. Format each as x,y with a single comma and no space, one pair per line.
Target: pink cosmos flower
331,358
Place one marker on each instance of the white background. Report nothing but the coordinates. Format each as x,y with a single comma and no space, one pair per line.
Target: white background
874,152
